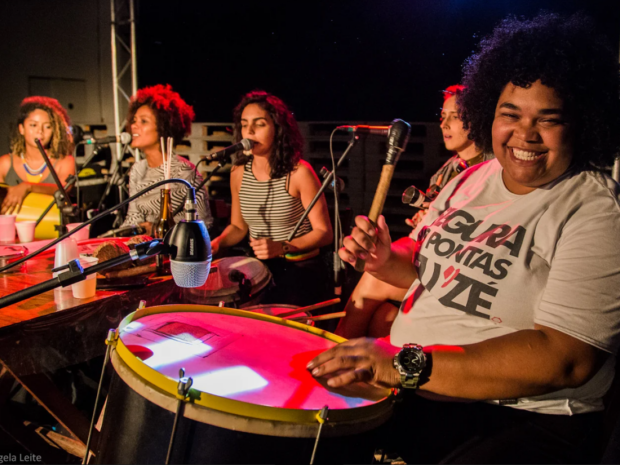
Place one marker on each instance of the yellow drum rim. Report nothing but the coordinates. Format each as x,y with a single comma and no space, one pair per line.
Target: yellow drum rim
237,407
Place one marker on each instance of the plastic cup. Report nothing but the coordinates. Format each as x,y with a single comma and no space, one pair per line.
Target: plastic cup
7,229
25,230
66,251
87,288
82,234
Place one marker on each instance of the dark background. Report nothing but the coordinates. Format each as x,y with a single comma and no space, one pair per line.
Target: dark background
338,60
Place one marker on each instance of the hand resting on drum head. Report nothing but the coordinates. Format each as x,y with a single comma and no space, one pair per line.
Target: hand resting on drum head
363,365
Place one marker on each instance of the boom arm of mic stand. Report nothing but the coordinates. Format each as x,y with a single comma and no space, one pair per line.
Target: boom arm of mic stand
53,173
67,211
76,273
326,182
95,218
204,181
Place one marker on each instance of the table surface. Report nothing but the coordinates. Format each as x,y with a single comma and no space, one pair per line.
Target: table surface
54,329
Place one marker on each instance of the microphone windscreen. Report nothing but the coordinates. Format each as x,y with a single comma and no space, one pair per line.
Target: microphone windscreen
125,138
190,274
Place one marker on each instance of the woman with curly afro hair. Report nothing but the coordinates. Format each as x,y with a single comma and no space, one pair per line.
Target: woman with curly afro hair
271,186
513,306
24,169
156,112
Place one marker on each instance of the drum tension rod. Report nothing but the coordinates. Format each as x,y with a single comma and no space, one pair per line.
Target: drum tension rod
322,418
110,341
185,383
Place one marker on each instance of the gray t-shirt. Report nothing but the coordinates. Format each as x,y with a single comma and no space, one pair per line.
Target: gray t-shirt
491,263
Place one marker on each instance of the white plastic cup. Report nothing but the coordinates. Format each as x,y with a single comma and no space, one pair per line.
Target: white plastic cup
7,229
82,234
87,288
66,251
25,230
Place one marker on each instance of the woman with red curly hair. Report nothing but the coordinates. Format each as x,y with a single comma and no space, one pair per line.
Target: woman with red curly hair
156,112
24,169
271,187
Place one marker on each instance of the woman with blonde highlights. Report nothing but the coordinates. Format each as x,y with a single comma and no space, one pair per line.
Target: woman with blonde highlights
24,169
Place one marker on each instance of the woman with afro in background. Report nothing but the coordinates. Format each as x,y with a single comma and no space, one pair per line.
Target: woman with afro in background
271,187
156,112
24,169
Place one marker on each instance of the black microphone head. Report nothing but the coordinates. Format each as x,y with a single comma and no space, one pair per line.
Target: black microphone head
77,132
398,136
189,247
247,144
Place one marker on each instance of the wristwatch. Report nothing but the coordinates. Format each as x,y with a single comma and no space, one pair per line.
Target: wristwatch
410,362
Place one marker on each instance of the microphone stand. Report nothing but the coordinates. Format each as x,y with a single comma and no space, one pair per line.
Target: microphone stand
115,178
66,209
71,179
76,273
326,182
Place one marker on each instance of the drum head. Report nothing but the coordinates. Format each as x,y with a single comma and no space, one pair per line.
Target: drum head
224,283
244,365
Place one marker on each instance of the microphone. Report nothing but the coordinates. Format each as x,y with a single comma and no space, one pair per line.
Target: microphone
339,181
123,138
414,197
189,247
243,144
363,129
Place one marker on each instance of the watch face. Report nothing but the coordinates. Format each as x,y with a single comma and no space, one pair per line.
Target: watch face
412,360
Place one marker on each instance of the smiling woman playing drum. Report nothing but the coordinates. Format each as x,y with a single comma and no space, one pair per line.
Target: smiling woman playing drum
514,283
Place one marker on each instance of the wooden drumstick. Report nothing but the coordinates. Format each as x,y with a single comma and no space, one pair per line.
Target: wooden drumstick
310,308
398,136
328,316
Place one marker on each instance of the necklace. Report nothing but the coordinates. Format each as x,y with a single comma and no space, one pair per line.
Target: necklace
31,171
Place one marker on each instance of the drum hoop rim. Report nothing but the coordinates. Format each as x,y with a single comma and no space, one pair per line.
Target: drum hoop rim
232,406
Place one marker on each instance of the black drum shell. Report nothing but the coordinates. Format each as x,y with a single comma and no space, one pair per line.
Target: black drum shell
136,430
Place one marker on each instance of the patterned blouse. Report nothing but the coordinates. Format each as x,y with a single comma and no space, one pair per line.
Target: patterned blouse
146,208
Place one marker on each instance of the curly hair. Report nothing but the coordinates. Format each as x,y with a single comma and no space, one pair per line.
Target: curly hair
174,117
288,141
564,53
61,143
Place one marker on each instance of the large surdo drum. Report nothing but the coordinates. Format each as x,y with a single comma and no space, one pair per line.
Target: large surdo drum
252,399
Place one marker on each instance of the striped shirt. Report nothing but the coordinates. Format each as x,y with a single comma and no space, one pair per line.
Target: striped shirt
146,208
268,209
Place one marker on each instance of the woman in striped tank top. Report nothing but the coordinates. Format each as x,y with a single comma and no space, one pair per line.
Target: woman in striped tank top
271,187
